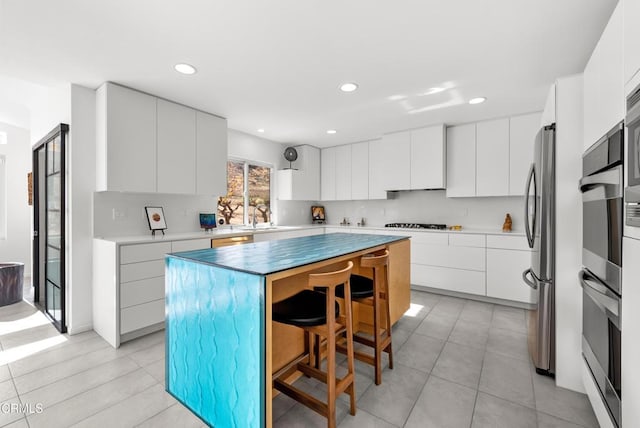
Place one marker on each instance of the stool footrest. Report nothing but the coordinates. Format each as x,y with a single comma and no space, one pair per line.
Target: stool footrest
302,397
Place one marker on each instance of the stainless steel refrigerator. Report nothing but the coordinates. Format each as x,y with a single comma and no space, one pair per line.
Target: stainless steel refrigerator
540,229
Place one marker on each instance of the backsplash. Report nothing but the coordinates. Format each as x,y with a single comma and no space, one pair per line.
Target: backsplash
431,207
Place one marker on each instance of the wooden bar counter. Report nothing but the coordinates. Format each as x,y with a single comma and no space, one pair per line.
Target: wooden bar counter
221,345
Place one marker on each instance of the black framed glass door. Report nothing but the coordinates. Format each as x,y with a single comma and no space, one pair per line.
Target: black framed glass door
49,225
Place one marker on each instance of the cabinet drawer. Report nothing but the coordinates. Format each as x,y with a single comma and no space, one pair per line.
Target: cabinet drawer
143,291
144,252
143,270
141,316
452,257
504,275
508,242
191,244
466,240
430,238
464,281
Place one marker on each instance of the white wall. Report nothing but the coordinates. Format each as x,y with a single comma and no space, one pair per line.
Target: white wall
180,211
569,145
430,207
80,187
16,246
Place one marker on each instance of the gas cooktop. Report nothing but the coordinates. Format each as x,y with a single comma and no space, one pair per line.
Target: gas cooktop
417,226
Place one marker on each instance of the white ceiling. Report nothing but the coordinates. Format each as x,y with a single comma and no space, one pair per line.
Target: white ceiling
277,64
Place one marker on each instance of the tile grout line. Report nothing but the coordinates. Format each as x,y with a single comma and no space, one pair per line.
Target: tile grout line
124,399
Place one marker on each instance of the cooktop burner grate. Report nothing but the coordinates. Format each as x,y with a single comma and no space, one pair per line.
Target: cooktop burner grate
417,226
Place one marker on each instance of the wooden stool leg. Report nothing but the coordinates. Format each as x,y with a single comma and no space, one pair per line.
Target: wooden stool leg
331,361
389,347
376,331
350,363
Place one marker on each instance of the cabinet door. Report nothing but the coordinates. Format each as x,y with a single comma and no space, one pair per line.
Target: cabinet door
522,136
461,160
396,150
612,95
285,180
307,186
328,174
428,161
211,155
504,275
129,146
176,148
343,173
360,171
492,158
377,170
591,99
631,38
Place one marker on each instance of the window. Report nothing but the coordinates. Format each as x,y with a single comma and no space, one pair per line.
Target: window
248,185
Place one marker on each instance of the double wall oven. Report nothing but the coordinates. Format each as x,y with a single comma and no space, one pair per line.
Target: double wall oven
601,277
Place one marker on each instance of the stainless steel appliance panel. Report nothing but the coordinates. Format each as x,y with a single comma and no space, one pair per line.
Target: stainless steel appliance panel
601,340
602,206
540,230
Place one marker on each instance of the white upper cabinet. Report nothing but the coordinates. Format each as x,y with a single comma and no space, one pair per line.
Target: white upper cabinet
176,148
146,144
303,183
631,12
211,155
522,135
428,158
378,170
343,172
492,158
126,140
328,174
360,171
396,150
604,79
461,160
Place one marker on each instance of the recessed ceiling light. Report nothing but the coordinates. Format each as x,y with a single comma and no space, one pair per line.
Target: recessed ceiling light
185,68
478,100
348,87
331,131
261,130
435,90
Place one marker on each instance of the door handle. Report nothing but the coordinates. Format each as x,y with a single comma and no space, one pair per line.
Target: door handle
527,281
610,179
604,298
530,233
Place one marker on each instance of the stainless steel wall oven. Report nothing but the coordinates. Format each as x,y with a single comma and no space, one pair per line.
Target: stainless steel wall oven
601,276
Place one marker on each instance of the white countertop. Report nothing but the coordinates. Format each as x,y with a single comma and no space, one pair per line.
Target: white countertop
226,232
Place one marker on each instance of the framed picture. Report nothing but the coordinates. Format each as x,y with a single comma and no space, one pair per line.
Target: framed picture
155,216
317,214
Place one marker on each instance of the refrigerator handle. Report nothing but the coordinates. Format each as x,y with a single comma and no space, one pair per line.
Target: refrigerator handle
527,281
530,233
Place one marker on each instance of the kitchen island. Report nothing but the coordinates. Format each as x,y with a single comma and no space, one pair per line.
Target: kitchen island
221,345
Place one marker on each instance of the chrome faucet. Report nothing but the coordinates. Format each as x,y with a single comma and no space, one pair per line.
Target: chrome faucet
255,209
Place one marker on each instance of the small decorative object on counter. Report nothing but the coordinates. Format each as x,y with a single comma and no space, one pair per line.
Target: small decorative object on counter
506,227
362,223
317,214
345,222
455,227
155,217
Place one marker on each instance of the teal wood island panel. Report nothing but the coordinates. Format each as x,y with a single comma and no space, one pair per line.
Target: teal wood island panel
215,359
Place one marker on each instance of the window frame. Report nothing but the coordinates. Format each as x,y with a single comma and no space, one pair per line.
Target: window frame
246,221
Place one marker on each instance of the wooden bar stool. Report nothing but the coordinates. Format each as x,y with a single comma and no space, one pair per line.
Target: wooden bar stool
319,315
374,293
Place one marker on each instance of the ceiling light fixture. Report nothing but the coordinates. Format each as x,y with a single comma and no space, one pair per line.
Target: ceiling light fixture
331,131
185,68
348,87
435,90
261,130
478,100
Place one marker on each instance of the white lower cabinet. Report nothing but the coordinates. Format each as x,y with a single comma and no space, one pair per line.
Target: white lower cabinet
128,287
272,236
504,275
463,281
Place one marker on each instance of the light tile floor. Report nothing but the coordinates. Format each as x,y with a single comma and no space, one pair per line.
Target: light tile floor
459,363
